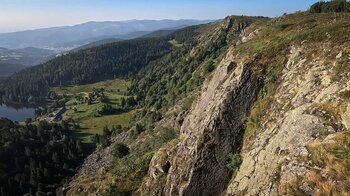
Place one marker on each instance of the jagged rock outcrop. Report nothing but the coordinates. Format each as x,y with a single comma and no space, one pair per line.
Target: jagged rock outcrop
212,129
279,157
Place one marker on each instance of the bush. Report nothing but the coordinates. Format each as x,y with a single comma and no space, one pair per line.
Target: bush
117,129
110,190
106,109
209,67
135,131
120,150
104,99
234,162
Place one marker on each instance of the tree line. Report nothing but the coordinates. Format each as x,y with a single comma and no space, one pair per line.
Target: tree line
330,6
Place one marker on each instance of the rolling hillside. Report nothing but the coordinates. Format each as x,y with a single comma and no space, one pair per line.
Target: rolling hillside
120,59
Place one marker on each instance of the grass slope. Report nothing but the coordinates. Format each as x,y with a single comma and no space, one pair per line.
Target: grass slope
85,114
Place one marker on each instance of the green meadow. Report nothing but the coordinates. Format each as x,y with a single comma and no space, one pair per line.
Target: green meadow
86,115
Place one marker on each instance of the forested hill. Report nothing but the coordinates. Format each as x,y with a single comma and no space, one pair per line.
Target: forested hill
36,158
330,6
120,59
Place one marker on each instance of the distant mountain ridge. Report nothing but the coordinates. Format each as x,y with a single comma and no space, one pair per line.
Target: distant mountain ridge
27,48
25,56
59,38
14,60
139,34
160,33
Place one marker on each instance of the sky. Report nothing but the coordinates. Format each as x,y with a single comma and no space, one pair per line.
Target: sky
16,15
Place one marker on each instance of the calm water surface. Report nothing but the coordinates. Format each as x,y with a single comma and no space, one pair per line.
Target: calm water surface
16,114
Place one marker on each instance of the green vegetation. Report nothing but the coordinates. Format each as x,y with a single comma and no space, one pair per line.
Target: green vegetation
209,67
130,168
165,81
287,30
120,150
115,86
115,60
154,89
234,162
110,191
330,6
89,126
36,158
95,106
152,75
175,43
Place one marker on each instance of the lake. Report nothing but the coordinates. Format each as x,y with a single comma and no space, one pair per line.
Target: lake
16,113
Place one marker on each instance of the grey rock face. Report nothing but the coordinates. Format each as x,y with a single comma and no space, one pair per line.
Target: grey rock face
213,136
212,129
278,156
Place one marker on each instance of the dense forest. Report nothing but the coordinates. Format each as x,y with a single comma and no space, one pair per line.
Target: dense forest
120,59
330,6
36,158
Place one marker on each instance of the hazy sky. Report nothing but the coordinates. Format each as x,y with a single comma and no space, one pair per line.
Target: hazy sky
29,14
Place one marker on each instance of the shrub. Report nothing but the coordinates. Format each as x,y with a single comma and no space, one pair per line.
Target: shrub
234,162
209,67
120,150
104,99
110,190
135,131
106,109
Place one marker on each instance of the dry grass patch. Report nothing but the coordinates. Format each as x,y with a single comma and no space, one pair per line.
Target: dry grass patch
332,161
330,113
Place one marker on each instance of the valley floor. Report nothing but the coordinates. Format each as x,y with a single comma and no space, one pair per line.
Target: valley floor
89,121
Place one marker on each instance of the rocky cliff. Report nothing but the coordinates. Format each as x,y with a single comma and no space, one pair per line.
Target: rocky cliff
306,108
303,105
197,164
278,101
